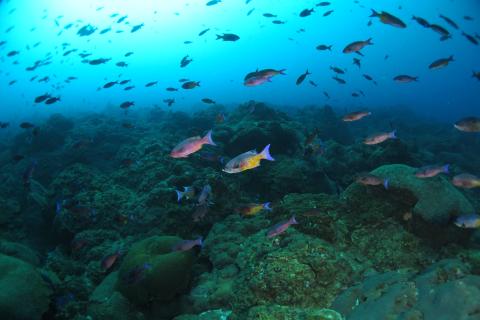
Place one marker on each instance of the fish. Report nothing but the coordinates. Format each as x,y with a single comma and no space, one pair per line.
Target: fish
124,82
42,98
204,195
312,83
203,32
356,46
105,30
440,63
389,19
191,145
281,227
12,53
441,30
259,77
269,15
4,125
26,125
380,137
470,38
127,104
171,89
228,37
306,12
95,62
17,158
329,12
323,4
302,77
339,80
250,11
187,193
368,179
150,84
128,54
109,260
208,101
468,221
337,70
220,118
169,101
122,19
121,64
248,160
355,116
136,28
190,85
109,84
251,209
212,2
185,61
324,47
212,157
136,274
424,23
129,88
466,180
468,124
405,78
468,18
86,30
186,245
278,22
476,75
431,171
368,77
449,21
356,61
52,100
28,173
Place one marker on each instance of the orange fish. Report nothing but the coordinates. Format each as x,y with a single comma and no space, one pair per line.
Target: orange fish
191,145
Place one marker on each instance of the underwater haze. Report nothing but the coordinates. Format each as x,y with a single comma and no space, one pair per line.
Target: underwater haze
239,160
48,31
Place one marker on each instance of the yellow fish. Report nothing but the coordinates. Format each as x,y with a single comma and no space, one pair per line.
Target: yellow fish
248,160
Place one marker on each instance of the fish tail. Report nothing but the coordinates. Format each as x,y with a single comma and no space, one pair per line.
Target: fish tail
451,58
266,154
198,83
446,168
282,71
369,41
329,47
293,220
393,134
267,207
200,241
208,138
307,73
219,37
386,184
374,13
180,195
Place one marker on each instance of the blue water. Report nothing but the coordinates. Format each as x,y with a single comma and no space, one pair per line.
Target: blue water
221,66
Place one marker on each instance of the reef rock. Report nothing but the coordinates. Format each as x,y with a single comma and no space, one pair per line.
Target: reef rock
24,295
165,273
444,291
436,200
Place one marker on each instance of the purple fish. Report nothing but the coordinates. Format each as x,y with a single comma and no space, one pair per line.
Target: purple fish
186,245
136,274
279,228
204,195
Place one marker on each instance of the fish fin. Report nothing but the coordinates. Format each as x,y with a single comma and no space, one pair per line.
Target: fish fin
386,184
393,134
369,41
451,58
329,48
200,241
266,153
359,53
374,13
179,195
267,207
446,168
219,37
208,138
282,71
293,220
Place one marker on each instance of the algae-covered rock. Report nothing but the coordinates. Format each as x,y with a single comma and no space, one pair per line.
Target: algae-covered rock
218,314
24,294
277,312
19,251
443,291
164,275
436,199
